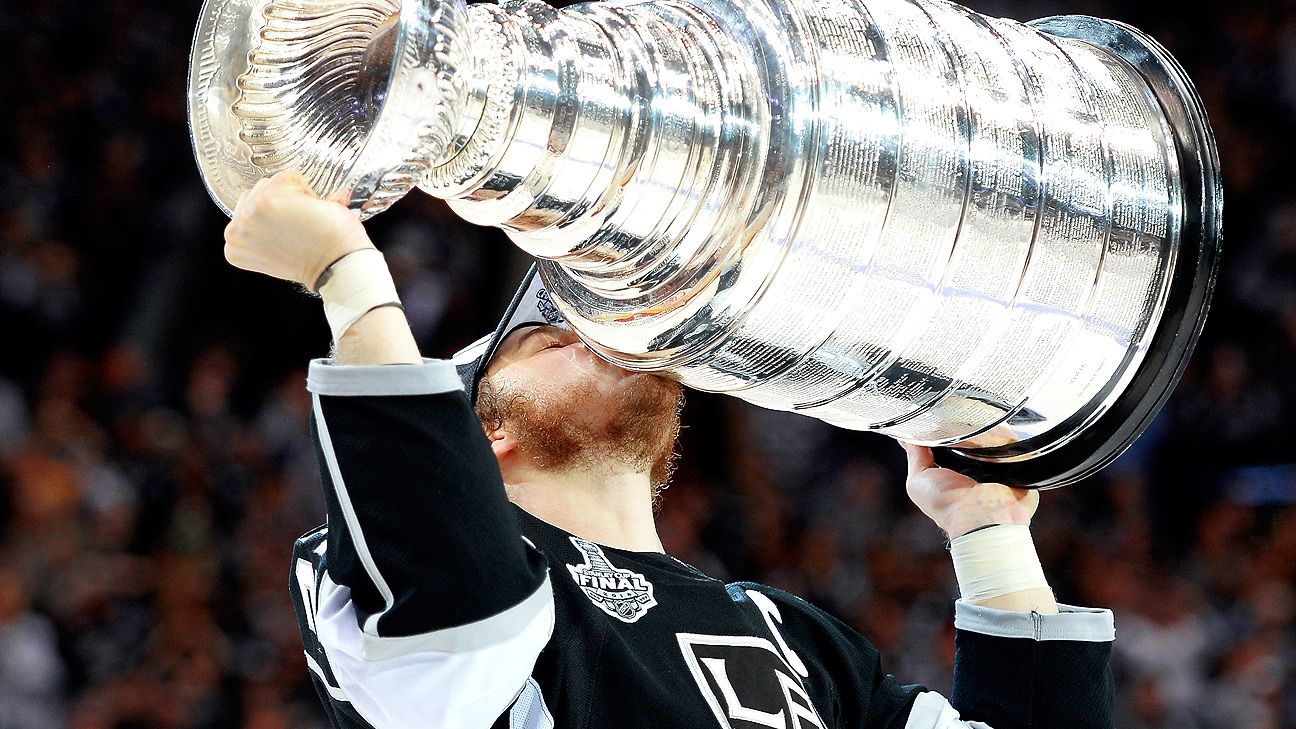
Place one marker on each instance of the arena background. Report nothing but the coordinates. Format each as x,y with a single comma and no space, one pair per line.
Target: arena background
155,467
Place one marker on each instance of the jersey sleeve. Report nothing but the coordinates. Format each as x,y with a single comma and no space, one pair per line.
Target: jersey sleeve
426,605
1011,670
1023,670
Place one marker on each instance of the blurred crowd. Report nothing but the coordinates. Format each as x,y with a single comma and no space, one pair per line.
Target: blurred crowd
155,465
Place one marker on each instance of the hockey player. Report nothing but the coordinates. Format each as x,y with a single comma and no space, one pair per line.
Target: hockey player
501,567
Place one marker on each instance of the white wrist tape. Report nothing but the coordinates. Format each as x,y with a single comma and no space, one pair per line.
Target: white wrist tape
357,283
996,561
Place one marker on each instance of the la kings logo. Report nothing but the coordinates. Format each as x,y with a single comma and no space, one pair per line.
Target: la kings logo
749,681
623,594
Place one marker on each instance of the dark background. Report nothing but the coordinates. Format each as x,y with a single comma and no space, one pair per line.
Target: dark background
155,468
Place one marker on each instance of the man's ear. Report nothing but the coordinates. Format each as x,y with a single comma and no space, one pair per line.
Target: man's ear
503,445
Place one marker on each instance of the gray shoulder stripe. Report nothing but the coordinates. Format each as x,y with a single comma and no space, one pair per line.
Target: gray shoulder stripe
1092,625
483,633
431,377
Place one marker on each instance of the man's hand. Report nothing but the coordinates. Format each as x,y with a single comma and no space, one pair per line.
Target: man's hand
283,229
957,503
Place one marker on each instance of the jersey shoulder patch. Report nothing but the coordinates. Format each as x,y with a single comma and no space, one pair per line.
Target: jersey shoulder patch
624,594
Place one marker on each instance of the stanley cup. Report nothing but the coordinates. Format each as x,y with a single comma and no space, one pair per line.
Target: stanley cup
897,215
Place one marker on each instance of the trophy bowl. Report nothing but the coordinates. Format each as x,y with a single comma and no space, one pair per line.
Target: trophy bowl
357,97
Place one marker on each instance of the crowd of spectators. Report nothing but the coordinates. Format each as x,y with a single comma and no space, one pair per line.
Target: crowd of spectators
155,464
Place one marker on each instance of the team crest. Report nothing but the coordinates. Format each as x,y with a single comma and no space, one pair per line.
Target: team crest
625,595
750,682
747,683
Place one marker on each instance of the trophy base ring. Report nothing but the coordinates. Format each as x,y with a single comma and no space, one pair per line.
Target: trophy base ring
1112,432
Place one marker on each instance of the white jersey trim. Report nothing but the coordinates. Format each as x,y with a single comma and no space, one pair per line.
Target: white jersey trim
469,688
529,710
333,691
932,711
477,635
432,377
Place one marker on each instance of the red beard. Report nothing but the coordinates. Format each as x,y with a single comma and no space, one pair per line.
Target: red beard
551,427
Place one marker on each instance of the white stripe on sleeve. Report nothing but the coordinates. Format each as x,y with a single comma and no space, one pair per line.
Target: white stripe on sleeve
352,521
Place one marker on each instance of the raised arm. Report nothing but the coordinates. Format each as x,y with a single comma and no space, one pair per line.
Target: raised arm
1022,661
421,604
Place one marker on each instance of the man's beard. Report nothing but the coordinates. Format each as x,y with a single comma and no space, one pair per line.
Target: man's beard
641,430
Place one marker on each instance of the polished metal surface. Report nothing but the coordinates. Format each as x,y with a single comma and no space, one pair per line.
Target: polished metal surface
296,84
894,215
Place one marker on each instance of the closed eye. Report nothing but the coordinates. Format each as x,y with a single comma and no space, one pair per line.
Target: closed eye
553,341
540,338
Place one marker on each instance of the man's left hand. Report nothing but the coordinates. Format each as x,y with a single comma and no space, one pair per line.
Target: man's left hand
959,504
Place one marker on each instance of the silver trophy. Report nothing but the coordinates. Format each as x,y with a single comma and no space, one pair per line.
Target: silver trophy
893,215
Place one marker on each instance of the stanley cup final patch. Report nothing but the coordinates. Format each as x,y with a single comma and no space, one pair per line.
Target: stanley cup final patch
625,595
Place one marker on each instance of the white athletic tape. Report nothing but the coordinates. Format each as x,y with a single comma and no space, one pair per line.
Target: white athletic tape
357,283
995,561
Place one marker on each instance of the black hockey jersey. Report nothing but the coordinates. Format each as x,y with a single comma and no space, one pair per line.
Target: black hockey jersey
430,601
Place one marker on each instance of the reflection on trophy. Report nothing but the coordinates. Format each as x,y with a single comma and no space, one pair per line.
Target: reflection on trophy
892,215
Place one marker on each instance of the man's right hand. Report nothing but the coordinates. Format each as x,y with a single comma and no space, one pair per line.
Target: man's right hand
283,229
